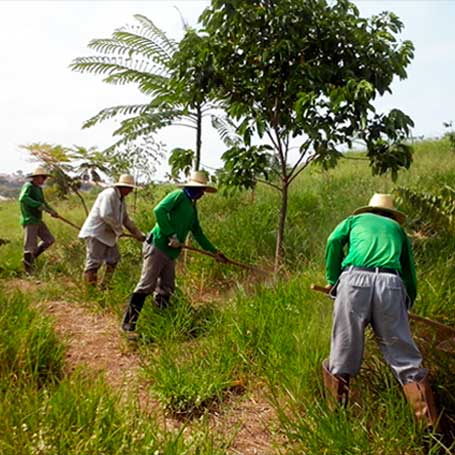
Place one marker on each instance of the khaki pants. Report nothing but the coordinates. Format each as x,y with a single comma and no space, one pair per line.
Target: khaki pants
97,253
31,234
158,272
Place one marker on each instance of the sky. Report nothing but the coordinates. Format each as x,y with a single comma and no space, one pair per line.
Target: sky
42,100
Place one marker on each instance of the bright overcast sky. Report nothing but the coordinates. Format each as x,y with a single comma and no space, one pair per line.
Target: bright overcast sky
42,100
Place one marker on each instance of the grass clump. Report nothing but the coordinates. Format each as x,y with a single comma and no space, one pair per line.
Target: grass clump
29,348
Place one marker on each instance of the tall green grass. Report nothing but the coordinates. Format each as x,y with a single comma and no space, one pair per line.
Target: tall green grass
43,411
197,352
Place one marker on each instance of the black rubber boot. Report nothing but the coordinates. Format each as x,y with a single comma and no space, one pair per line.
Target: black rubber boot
28,263
133,309
162,301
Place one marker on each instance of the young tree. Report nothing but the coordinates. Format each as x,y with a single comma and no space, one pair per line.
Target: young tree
57,159
306,70
142,54
70,166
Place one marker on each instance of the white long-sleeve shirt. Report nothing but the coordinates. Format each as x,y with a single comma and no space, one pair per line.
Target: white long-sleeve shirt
107,217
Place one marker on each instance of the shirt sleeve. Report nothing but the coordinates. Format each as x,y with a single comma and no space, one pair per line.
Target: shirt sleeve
201,238
334,253
27,200
106,211
408,271
162,211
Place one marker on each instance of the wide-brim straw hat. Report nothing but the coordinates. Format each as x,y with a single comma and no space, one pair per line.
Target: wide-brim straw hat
383,202
39,171
126,180
198,179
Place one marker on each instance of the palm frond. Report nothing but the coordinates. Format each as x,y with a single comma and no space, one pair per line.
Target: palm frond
110,112
145,47
99,64
151,30
150,120
111,46
227,130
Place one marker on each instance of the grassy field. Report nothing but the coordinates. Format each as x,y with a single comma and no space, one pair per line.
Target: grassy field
229,337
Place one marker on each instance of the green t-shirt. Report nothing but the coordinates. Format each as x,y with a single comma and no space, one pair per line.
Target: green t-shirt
373,241
177,214
32,203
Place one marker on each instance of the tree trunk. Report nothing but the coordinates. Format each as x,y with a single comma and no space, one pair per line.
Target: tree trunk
281,226
197,158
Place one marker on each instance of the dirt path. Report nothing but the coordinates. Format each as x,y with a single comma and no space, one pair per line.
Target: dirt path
94,341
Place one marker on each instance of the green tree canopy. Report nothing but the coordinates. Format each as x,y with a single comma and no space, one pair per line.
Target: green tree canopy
306,71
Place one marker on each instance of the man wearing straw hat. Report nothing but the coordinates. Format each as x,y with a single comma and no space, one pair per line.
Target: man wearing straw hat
374,283
176,215
32,205
103,227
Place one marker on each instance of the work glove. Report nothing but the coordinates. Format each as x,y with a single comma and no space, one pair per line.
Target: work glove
220,257
174,242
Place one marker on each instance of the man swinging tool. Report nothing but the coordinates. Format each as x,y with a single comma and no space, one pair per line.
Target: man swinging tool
175,215
375,283
104,226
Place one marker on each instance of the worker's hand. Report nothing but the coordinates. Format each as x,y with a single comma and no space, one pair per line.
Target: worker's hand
174,242
220,257
329,288
142,237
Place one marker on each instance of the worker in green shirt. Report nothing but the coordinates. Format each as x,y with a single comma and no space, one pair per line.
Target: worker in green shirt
176,215
374,283
32,205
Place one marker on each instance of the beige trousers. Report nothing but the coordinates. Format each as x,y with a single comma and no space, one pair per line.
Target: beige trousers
158,272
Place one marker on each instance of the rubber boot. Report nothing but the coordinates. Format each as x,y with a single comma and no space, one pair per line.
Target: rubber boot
90,277
336,386
28,263
420,397
162,301
108,273
133,309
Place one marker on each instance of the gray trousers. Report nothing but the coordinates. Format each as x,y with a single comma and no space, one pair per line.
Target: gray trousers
158,272
97,252
378,299
31,234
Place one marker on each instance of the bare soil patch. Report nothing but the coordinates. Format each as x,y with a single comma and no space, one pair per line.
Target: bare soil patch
94,341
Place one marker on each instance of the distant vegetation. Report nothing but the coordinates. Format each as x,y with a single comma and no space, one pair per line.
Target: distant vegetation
10,185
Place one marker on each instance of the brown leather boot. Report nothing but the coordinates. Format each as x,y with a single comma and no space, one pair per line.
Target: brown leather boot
90,277
420,397
337,387
108,273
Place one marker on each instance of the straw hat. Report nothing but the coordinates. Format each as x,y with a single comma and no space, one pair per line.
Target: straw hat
37,172
199,179
383,202
126,180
